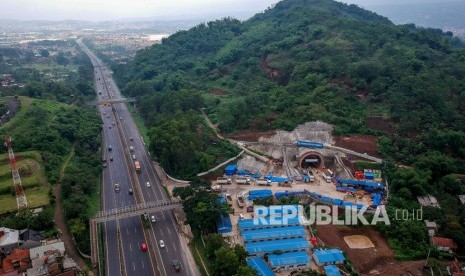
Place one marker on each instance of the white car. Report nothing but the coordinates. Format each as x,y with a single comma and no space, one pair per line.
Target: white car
162,244
153,219
148,184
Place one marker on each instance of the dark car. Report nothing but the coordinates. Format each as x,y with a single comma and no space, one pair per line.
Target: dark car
176,265
130,191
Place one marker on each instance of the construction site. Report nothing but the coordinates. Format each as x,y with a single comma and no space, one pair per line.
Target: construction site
304,166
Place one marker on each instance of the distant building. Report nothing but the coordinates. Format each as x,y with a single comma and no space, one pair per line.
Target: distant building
17,262
49,259
428,201
444,244
9,240
431,226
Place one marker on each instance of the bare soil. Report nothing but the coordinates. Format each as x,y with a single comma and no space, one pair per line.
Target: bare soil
250,135
218,92
378,260
359,143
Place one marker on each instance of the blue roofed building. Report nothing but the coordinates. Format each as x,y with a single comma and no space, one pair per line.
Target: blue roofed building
223,224
332,270
276,210
230,170
328,256
287,245
267,222
289,261
273,234
259,265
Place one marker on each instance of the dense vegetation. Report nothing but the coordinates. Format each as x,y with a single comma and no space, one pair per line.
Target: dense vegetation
53,129
306,60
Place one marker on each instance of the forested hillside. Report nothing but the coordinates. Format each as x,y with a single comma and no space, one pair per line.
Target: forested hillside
306,60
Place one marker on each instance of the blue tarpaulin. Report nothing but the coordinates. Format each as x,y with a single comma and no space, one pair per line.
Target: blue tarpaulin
277,178
278,195
253,194
267,222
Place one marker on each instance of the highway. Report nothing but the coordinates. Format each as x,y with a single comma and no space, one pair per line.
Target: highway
123,238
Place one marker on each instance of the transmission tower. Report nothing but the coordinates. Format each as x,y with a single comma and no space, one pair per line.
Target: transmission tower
20,195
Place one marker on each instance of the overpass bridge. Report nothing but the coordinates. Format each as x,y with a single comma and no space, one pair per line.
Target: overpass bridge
125,212
113,101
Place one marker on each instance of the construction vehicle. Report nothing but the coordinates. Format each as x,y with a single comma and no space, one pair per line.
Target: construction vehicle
229,199
264,182
223,180
243,181
240,201
285,184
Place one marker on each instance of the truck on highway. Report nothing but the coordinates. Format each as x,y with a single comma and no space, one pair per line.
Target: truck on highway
137,166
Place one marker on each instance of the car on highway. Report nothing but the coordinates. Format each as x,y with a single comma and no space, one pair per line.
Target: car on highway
148,184
133,157
131,138
130,191
153,219
109,148
143,246
116,187
111,158
162,244
176,265
113,123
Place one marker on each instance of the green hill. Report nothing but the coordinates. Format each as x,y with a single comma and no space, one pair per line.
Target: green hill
307,60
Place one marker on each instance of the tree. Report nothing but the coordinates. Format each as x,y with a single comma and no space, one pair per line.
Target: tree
226,262
213,242
76,227
245,271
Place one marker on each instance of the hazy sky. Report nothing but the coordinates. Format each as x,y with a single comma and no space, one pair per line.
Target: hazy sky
122,9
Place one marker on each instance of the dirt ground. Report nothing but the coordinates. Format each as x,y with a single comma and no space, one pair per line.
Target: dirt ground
359,143
370,261
250,136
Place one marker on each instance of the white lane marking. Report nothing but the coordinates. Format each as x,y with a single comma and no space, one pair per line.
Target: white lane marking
143,265
127,231
174,246
135,229
169,232
133,266
130,247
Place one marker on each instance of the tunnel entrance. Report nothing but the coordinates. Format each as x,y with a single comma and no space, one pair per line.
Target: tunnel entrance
311,160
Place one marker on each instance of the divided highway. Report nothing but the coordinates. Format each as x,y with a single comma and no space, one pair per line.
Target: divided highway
124,238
